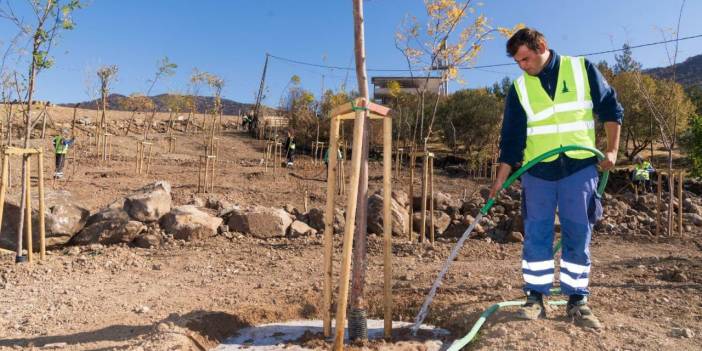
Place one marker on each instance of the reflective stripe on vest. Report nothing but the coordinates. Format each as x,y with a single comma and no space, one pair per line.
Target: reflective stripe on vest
564,120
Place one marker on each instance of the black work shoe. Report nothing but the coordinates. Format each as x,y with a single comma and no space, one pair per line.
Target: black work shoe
582,315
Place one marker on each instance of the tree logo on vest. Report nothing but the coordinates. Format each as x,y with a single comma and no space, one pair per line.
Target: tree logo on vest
565,88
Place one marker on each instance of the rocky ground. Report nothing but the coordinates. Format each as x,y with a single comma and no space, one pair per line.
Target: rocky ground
144,263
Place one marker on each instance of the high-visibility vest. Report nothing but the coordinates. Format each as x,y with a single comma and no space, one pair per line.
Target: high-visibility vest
59,146
564,120
641,171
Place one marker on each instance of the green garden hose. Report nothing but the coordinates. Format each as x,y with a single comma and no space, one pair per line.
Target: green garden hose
460,343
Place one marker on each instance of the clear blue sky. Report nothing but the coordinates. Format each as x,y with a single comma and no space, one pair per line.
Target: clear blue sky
230,39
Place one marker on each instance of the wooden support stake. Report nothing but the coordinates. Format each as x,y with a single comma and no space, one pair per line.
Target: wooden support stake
671,209
214,174
329,229
199,174
351,203
3,184
28,210
136,166
207,168
109,148
411,194
680,202
104,147
425,189
659,188
148,159
387,227
42,229
431,199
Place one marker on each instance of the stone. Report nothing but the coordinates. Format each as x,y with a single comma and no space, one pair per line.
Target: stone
261,222
401,197
197,201
142,309
484,192
150,202
514,237
111,225
682,333
497,209
189,223
472,206
442,201
55,345
441,222
315,219
398,214
218,204
147,241
298,228
694,218
63,219
456,230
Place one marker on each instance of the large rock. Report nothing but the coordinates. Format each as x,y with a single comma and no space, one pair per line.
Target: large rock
111,225
261,222
399,216
315,219
298,228
457,229
150,202
443,201
188,223
63,219
694,218
441,222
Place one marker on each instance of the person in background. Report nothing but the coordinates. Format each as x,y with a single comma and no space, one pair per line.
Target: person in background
642,173
290,148
61,145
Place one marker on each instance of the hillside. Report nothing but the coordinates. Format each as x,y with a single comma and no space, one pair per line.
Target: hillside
115,102
688,72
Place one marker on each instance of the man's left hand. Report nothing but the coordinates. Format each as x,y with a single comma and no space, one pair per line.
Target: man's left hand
609,161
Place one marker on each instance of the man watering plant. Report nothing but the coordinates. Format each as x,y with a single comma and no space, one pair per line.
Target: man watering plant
553,104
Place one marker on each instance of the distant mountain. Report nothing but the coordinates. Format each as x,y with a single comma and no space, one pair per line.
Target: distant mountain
688,73
115,102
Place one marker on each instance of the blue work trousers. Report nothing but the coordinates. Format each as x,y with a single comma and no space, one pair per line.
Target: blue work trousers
579,207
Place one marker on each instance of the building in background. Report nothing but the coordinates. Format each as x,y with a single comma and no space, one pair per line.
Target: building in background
408,85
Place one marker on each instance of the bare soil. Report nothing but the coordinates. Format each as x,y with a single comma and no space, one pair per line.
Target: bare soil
192,295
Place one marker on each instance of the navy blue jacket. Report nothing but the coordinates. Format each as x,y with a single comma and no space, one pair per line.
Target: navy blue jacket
514,125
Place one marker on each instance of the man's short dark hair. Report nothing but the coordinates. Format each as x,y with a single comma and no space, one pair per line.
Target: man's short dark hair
525,36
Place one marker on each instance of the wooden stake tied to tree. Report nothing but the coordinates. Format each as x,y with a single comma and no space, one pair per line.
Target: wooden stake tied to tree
51,17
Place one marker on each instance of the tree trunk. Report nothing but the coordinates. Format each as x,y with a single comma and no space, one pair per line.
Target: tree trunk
27,135
73,123
148,123
671,191
170,124
359,254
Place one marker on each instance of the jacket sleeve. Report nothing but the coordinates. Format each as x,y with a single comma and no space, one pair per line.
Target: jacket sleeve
604,98
513,134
